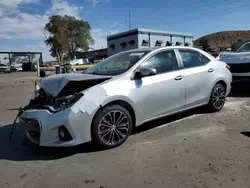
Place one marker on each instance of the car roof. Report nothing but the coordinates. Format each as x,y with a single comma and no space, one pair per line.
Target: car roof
149,49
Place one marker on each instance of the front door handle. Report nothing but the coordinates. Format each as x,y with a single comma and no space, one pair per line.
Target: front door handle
180,77
211,70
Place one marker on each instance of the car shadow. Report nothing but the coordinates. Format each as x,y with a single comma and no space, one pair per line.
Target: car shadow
20,149
240,89
247,134
169,119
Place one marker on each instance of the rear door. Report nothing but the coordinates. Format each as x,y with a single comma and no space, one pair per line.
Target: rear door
198,77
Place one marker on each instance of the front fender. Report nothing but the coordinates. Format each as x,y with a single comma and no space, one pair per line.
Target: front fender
127,100
97,97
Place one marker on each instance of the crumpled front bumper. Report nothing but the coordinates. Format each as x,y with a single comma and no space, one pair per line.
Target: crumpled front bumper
42,127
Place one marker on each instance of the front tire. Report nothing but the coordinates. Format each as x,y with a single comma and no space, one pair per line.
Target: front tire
217,98
111,126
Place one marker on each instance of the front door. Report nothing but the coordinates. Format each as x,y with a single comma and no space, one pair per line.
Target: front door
164,92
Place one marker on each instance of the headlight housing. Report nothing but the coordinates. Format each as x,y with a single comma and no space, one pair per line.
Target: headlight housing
65,102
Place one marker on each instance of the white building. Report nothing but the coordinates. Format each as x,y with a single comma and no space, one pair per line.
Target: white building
140,38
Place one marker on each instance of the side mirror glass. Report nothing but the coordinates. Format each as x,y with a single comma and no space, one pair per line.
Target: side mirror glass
143,72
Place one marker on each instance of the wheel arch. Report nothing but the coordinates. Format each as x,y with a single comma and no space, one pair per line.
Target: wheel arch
217,81
221,80
223,83
122,102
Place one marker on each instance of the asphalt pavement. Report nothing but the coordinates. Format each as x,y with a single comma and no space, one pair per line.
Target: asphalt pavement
192,149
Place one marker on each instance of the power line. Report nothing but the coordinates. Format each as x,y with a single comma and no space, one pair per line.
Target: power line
186,12
207,8
209,14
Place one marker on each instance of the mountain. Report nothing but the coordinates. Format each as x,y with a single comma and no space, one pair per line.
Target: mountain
223,39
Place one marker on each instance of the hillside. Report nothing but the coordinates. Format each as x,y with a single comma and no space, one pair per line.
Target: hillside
223,39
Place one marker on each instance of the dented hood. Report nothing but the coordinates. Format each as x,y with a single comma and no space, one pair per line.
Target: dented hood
56,83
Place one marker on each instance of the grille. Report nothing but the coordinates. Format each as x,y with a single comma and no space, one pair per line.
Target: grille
32,126
239,68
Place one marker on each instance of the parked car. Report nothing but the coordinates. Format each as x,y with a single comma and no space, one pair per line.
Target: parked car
5,68
16,67
244,48
122,92
238,61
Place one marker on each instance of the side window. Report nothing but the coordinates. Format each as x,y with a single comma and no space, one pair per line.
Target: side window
204,59
193,58
163,62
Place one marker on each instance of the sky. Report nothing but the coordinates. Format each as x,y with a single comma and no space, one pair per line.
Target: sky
22,21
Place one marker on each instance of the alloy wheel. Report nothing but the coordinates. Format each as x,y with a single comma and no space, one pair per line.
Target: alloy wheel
113,128
219,97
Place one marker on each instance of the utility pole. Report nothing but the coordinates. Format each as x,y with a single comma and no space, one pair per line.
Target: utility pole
126,21
129,20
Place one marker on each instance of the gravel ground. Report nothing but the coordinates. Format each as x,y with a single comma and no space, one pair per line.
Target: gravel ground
192,149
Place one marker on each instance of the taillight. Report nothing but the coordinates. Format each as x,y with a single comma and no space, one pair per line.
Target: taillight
228,67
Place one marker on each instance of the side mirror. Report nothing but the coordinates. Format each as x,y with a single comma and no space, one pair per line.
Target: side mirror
144,71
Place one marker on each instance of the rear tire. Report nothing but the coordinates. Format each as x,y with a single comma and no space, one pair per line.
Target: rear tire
217,98
111,126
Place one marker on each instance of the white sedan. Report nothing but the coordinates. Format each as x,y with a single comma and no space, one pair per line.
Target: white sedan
122,92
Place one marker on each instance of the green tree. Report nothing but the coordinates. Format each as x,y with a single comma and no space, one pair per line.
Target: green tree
66,34
193,43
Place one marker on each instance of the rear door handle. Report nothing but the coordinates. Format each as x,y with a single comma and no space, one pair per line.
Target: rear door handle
180,77
211,70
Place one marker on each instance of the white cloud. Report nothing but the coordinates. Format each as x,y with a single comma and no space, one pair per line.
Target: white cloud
5,36
15,3
62,7
23,26
114,25
16,24
100,37
95,2
99,43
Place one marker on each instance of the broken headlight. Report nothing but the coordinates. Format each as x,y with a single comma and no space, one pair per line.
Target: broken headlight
65,102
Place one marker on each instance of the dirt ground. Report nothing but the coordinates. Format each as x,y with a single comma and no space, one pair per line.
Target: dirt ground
193,149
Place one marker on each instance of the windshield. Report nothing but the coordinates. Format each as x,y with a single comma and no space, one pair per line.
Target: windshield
116,64
244,48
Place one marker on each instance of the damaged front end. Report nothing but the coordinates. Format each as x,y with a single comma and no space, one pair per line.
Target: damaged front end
53,104
48,118
41,108
66,97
